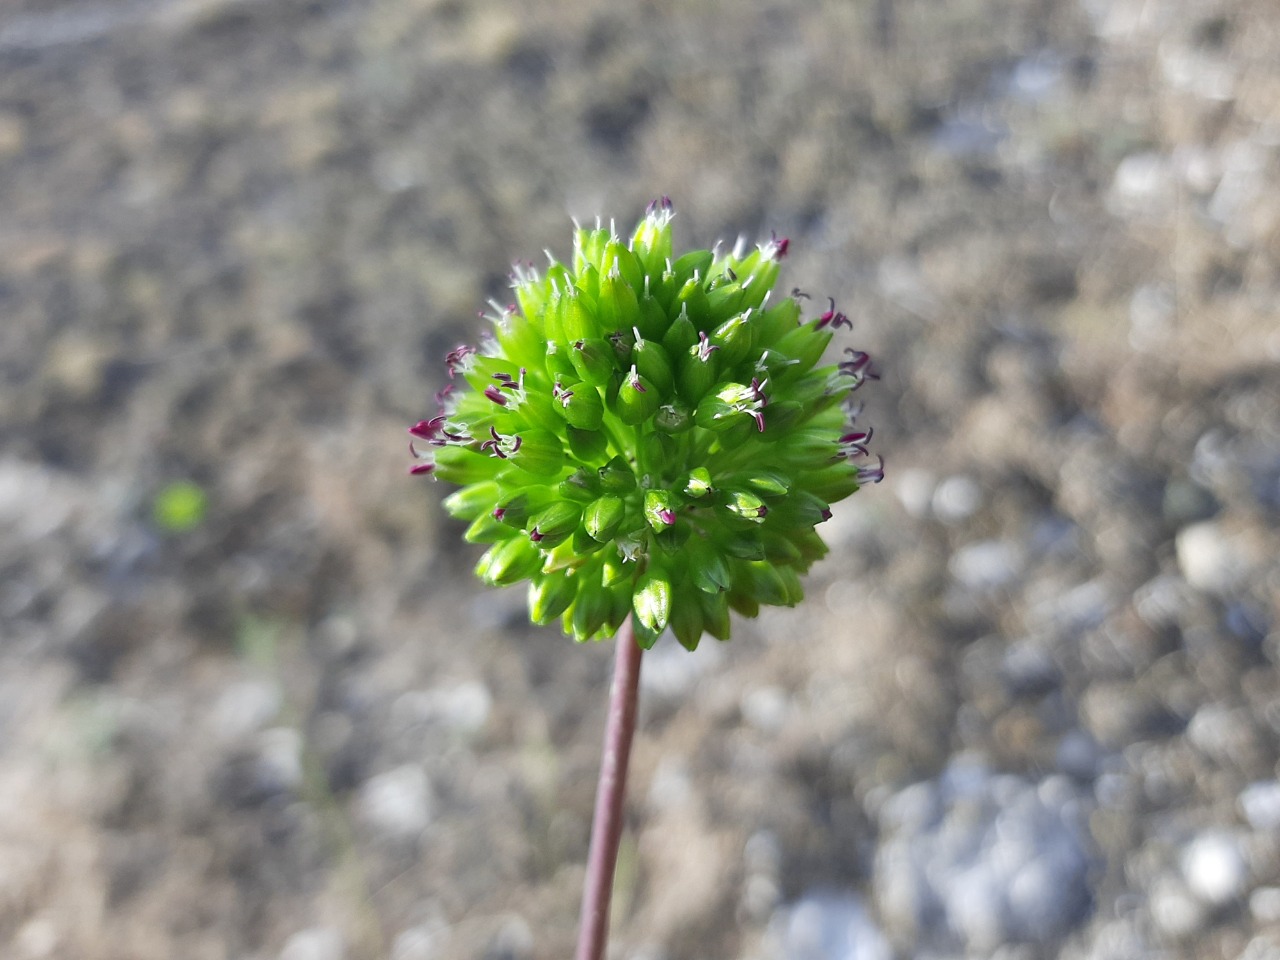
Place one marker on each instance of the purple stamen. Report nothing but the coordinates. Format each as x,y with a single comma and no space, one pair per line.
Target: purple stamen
759,418
872,474
705,346
442,394
535,536
762,511
779,246
495,394
667,516
826,514
499,513
427,429
457,358
832,318
418,469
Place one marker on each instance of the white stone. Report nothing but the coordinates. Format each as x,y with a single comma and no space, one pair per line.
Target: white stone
1175,913
397,803
1264,904
765,708
1260,803
986,565
314,943
1208,559
914,488
244,707
1214,868
1143,186
957,498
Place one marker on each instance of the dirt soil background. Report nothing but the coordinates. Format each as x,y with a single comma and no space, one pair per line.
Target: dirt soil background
1031,707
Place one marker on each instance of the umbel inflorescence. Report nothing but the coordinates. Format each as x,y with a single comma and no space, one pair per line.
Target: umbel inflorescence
648,433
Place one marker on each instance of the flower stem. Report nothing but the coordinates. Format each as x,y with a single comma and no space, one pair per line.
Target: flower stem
606,826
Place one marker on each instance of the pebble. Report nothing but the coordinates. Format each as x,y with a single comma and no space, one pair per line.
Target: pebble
765,708
1078,755
984,859
1143,187
986,565
397,804
314,943
825,925
957,498
1208,558
244,707
670,671
1175,913
1214,868
463,708
1264,904
1260,803
279,760
915,490
417,943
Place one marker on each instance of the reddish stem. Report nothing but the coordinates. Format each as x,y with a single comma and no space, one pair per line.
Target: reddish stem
606,827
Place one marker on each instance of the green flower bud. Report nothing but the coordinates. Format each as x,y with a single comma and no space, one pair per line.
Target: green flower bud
550,596
473,501
681,335
582,485
593,360
509,562
579,404
699,483
652,363
653,320
555,524
575,322
660,509
603,517
617,477
652,604
673,417
619,308
540,452
638,399
587,446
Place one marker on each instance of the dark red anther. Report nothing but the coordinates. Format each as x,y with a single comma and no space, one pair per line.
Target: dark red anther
456,357
495,394
872,474
833,318
418,469
535,536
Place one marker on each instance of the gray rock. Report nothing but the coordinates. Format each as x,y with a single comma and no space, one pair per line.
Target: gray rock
824,925
314,943
975,861
986,565
1260,803
1214,868
397,804
1210,558
957,498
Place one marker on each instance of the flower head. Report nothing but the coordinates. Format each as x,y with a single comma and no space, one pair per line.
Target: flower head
647,434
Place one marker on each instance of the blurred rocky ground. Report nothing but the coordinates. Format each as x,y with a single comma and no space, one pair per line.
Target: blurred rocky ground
1031,708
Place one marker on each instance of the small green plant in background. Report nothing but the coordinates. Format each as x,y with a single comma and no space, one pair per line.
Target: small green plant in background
179,507
650,441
